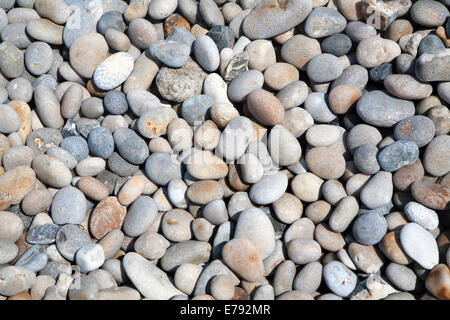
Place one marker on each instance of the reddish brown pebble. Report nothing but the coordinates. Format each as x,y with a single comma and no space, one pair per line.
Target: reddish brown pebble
432,195
175,20
265,107
438,282
108,215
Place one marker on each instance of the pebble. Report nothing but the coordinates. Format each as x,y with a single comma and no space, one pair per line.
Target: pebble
243,257
113,71
397,155
317,107
381,110
8,251
302,251
433,66
437,281
189,80
324,67
16,280
338,44
406,87
341,280
268,19
83,61
186,252
402,277
419,245
369,228
151,281
18,182
130,146
429,13
69,239
43,234
245,83
68,206
365,258
279,75
173,54
34,259
421,215
108,215
269,189
140,216
435,158
419,129
90,257
432,195
323,22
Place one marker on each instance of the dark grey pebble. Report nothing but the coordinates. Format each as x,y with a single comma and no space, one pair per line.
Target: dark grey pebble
223,36
338,44
379,73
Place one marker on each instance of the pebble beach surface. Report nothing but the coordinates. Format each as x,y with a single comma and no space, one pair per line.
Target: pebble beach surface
224,150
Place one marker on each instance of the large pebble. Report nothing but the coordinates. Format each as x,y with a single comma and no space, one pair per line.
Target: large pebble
420,245
270,18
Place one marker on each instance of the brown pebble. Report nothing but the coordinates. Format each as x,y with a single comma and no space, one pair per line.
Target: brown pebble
406,175
205,191
107,215
242,256
398,29
235,178
265,107
93,188
175,20
343,97
392,248
318,211
325,162
432,195
131,190
328,240
438,282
